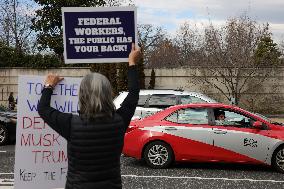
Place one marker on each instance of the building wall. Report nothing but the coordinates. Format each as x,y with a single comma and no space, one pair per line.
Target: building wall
267,98
182,78
187,79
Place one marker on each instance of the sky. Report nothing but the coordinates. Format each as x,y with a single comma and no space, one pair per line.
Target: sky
170,14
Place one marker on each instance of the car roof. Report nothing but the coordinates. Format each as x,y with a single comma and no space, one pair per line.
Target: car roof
205,105
166,91
174,92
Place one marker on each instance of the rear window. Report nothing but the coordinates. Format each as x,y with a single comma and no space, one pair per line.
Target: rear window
162,101
196,100
190,99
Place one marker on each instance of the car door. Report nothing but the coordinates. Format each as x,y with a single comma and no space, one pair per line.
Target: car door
236,140
193,138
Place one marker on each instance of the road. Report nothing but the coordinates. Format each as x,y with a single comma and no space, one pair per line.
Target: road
7,158
135,174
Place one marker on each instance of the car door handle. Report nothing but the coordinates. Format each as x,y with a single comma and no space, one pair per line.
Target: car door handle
220,132
170,128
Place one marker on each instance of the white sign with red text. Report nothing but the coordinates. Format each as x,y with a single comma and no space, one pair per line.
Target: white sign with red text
41,155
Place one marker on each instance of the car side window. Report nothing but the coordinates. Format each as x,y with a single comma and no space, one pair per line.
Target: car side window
230,118
189,116
173,117
162,101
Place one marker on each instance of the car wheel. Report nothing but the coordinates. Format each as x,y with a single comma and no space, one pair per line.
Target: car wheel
3,135
158,155
278,159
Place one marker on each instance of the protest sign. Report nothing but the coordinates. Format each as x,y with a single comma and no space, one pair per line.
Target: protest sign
98,34
41,155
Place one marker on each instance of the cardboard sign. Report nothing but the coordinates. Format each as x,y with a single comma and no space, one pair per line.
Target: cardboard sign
41,155
98,34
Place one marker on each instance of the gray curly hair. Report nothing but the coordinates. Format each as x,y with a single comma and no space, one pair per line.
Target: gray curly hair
95,97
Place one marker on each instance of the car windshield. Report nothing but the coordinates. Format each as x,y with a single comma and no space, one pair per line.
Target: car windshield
263,117
269,120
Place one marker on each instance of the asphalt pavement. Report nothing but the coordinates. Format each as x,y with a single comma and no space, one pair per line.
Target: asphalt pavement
136,174
7,158
200,175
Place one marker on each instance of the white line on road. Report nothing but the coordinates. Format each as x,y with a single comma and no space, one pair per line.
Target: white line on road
6,173
3,151
7,182
11,181
205,178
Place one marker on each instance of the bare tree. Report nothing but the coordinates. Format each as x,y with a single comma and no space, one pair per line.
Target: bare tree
5,22
282,51
229,58
149,37
115,3
189,41
15,25
164,55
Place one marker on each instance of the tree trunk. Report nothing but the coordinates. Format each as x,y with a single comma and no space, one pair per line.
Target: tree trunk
17,44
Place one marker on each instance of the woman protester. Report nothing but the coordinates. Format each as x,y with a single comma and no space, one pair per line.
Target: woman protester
95,136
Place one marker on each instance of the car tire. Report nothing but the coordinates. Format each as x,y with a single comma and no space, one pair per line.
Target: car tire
158,155
278,159
3,134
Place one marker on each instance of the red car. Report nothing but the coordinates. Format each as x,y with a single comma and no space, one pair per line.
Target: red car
206,133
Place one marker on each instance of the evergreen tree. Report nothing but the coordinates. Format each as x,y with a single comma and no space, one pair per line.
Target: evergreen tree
152,80
112,76
140,66
10,57
122,77
48,21
108,70
267,52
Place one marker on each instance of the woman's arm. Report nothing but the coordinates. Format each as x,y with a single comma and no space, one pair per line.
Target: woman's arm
57,120
128,106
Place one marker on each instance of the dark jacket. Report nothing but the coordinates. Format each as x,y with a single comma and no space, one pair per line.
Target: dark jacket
94,147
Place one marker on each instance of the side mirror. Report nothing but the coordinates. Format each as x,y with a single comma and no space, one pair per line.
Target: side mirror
257,124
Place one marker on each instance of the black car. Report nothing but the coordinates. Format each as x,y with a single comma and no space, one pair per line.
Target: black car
8,122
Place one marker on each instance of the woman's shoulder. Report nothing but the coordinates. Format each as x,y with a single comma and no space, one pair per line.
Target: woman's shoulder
76,120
